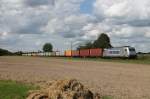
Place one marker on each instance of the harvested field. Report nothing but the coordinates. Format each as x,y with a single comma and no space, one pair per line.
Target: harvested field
123,81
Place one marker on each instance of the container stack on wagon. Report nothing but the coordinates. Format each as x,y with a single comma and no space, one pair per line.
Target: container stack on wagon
75,53
68,53
56,53
39,54
62,53
84,53
98,52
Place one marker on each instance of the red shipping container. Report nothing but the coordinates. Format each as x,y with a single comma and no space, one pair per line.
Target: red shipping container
85,52
98,52
68,53
75,53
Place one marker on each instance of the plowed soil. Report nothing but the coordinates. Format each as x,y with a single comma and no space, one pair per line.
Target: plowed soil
120,80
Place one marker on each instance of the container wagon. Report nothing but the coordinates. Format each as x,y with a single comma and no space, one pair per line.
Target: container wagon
61,53
98,52
84,53
68,53
57,53
75,53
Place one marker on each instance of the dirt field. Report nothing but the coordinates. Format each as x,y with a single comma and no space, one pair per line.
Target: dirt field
123,81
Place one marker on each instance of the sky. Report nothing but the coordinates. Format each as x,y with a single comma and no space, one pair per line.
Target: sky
28,24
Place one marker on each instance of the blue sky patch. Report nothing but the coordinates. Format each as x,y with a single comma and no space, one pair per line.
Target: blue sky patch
87,6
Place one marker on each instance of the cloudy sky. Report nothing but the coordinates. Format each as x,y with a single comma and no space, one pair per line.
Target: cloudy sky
28,24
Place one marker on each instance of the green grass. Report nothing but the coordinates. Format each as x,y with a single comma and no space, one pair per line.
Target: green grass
14,90
142,59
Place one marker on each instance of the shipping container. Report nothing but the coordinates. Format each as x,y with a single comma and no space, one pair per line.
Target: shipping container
33,54
97,52
61,53
46,53
29,54
53,53
41,54
68,53
57,53
75,53
85,53
50,54
38,54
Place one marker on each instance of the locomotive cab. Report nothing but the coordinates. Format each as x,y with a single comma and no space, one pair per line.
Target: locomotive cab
131,52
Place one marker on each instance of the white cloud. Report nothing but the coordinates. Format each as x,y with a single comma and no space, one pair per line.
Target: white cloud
126,21
147,34
133,9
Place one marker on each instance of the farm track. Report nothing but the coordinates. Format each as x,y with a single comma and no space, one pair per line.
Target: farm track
123,81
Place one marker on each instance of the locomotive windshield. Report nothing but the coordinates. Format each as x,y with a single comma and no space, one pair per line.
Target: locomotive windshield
131,49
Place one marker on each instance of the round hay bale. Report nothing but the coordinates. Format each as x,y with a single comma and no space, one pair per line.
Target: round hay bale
64,89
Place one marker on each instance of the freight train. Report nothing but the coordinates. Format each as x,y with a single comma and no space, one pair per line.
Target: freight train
115,52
